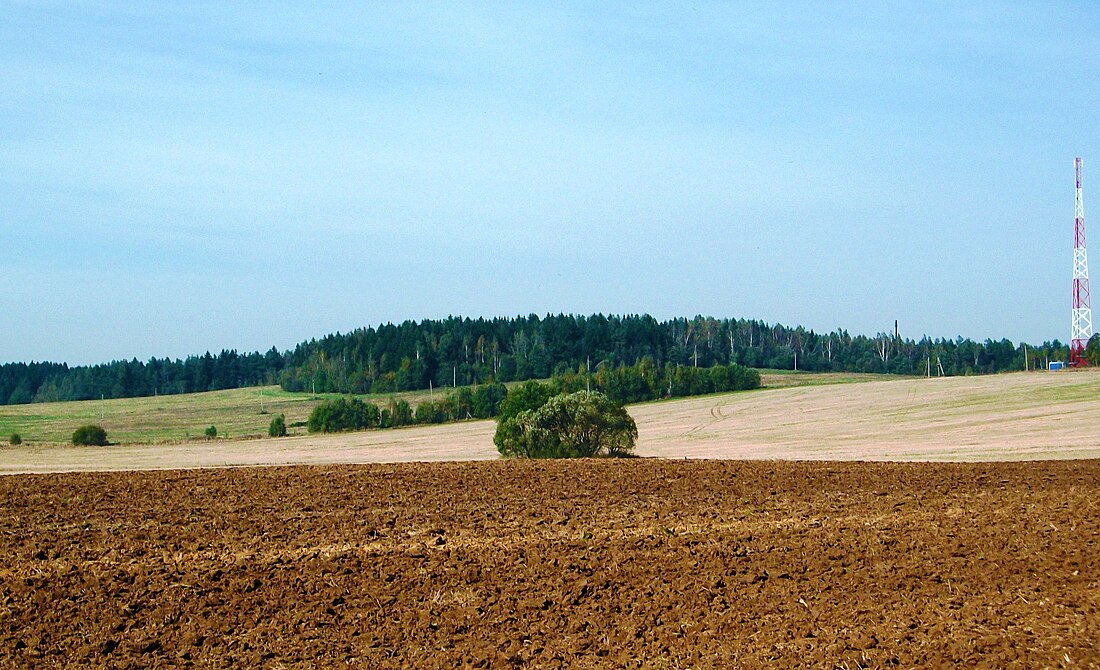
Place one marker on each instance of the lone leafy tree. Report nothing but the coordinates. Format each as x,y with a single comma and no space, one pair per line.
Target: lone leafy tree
578,425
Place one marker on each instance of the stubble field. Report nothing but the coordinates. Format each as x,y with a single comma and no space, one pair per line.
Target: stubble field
635,563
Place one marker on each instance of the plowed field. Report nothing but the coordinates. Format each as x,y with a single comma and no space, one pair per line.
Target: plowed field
635,563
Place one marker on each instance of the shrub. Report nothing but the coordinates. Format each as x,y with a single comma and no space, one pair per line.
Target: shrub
16,439
462,404
90,436
401,414
341,414
211,432
487,399
433,411
578,425
277,427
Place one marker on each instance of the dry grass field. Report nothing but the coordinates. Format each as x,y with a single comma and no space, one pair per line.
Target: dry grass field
171,418
236,412
1015,416
841,417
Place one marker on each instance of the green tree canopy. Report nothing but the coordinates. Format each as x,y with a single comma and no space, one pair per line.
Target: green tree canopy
277,427
577,425
486,400
401,414
1092,350
90,435
340,414
528,396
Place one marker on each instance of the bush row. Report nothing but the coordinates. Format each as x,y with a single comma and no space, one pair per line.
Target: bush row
645,381
343,414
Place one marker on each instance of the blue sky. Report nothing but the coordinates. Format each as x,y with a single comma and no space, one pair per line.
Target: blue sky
186,177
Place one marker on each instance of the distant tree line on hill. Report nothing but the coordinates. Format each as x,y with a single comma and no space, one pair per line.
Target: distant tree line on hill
461,351
50,382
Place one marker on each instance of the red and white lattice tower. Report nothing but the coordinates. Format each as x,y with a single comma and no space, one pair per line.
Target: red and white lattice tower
1082,310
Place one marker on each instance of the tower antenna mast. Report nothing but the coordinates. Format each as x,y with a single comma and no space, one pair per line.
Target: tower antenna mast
1082,310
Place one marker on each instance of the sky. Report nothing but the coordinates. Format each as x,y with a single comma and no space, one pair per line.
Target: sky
177,178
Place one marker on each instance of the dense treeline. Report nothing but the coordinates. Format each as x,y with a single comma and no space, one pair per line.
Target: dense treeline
458,351
637,383
461,351
49,382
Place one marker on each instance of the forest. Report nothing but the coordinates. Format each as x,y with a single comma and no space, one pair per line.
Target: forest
459,351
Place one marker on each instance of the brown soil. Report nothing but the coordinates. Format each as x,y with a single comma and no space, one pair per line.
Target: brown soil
635,563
